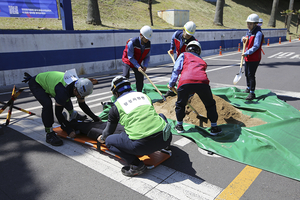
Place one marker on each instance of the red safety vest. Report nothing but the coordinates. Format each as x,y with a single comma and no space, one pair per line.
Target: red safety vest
180,47
256,56
193,70
137,52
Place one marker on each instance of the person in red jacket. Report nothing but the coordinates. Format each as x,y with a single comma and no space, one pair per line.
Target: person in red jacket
252,53
193,80
179,41
137,50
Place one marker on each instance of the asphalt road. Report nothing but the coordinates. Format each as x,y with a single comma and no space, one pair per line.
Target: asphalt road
32,169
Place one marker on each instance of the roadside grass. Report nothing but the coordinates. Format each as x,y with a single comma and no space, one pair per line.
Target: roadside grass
133,14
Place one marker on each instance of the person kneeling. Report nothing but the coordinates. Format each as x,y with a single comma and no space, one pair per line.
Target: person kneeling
145,130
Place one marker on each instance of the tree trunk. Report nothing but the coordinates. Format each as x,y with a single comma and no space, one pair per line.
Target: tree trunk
150,11
219,13
290,16
93,14
272,21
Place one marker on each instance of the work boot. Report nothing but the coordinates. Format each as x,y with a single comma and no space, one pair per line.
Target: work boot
179,128
251,96
247,90
170,93
53,139
215,130
134,170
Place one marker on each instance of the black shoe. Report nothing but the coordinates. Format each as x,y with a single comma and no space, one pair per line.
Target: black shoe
169,93
251,96
215,130
134,170
53,139
246,91
179,128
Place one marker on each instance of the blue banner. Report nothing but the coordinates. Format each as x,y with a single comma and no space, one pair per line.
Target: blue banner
28,8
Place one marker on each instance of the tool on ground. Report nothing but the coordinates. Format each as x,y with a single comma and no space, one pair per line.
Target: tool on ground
239,75
201,117
164,98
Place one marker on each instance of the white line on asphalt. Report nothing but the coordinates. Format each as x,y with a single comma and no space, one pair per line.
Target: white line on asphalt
182,142
225,60
159,183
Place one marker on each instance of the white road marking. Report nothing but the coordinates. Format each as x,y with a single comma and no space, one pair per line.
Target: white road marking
159,183
182,142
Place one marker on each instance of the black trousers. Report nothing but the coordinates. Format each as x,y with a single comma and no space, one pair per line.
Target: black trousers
250,70
46,102
204,93
139,77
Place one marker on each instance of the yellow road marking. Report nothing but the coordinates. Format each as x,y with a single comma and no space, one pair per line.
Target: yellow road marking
240,184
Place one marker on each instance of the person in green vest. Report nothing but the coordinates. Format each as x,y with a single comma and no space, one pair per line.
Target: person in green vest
53,84
145,130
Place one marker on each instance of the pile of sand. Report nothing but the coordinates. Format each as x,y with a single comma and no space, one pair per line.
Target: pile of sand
228,114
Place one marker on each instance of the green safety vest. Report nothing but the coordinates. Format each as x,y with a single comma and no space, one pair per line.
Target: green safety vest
138,116
48,81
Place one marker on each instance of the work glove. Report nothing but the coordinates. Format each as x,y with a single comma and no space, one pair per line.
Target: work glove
27,77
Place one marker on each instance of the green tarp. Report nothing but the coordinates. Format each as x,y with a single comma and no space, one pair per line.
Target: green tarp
272,147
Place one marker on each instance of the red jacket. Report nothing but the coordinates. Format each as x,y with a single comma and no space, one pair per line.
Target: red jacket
256,56
180,42
137,51
193,70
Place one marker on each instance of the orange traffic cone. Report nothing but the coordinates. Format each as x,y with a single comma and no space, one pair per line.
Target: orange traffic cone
239,48
280,40
268,42
290,39
220,51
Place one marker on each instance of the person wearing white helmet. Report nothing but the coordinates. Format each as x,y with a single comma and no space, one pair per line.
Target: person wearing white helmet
145,130
52,84
260,22
252,54
179,41
136,52
193,79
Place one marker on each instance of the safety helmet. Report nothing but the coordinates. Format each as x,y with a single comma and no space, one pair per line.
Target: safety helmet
260,20
84,87
194,46
190,28
120,84
146,31
253,18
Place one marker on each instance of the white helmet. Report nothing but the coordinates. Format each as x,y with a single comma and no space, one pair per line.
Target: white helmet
146,31
253,18
190,28
260,20
194,46
84,87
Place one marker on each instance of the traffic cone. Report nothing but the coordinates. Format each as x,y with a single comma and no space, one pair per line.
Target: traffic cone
290,39
220,51
299,37
239,48
280,40
268,42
